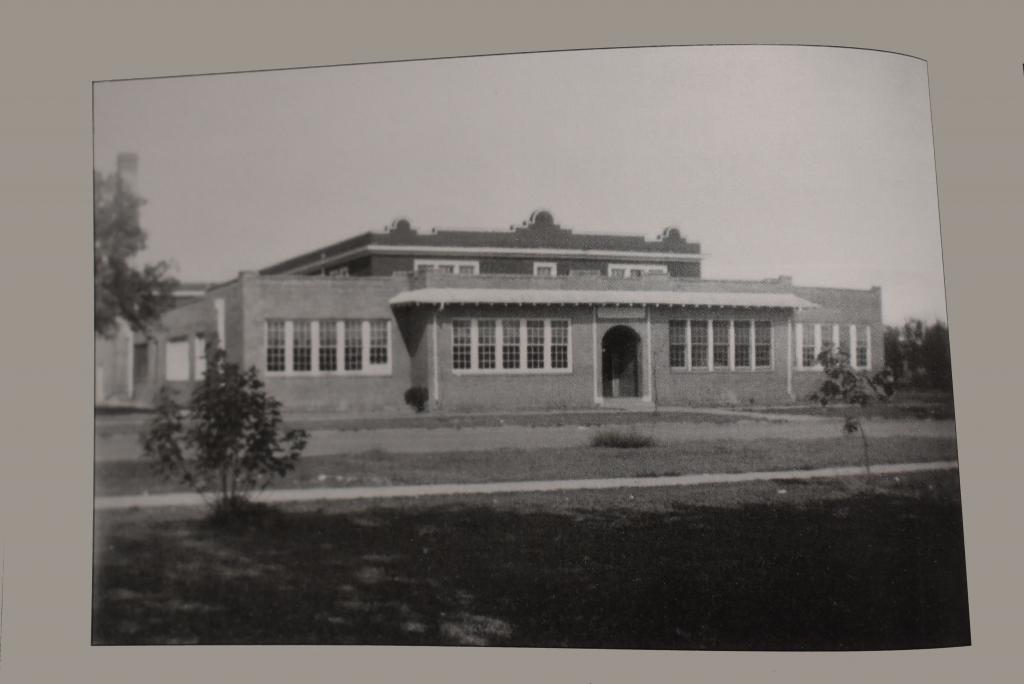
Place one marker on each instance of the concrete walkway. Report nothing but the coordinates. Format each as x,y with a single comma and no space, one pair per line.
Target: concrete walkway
357,493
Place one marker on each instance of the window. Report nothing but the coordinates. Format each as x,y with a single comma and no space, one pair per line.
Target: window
275,345
559,344
720,330
546,347
636,270
677,344
534,344
461,267
302,346
462,345
485,333
699,344
329,346
863,346
808,357
176,360
328,354
378,342
545,268
353,345
826,337
763,344
741,334
198,357
510,344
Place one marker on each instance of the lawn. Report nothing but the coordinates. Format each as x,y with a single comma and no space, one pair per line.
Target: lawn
823,565
715,456
111,422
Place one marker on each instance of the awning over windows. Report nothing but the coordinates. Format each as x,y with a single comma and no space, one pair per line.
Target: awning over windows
440,296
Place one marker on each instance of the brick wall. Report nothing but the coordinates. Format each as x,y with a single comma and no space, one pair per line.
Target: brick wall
297,297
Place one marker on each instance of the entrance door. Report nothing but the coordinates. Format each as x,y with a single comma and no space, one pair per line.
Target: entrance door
620,363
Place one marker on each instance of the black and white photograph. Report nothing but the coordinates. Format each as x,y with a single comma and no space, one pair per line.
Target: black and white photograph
640,348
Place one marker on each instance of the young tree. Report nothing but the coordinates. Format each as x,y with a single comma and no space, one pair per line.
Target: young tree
855,388
228,444
138,295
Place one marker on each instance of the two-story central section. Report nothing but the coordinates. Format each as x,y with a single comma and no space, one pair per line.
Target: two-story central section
529,319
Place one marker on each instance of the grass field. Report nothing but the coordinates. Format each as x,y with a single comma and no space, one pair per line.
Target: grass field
718,456
823,565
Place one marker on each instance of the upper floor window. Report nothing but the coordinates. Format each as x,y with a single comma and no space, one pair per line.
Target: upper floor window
455,266
545,268
636,270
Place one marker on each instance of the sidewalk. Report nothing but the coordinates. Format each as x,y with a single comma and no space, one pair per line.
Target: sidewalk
357,493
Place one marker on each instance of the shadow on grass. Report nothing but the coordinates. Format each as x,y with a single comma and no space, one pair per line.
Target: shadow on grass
870,571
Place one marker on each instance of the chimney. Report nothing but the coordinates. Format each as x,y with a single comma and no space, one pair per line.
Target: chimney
128,171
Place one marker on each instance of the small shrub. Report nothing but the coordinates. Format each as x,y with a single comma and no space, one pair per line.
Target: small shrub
226,444
621,439
417,398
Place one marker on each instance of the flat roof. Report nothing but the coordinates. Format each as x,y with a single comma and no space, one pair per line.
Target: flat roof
440,296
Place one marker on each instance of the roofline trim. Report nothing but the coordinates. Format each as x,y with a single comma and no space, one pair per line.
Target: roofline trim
440,296
500,251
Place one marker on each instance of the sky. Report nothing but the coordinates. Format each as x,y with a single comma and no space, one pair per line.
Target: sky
811,162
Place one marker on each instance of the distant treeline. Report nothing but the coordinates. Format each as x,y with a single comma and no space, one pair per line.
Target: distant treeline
918,354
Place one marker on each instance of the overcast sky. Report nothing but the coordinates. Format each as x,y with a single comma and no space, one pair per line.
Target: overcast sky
810,162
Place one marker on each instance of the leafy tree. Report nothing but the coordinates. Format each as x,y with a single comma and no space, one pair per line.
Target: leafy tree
919,353
138,295
855,388
228,444
893,342
935,356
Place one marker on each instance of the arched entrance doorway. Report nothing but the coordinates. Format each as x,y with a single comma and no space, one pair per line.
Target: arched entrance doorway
620,362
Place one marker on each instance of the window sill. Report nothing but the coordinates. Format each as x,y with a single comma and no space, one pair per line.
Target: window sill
766,369
371,372
512,371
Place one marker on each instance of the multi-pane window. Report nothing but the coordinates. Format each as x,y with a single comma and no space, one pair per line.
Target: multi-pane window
720,330
636,270
461,267
462,344
677,344
808,355
275,345
534,344
328,354
328,346
763,344
559,344
862,346
826,337
485,347
544,268
353,345
741,333
302,346
510,344
378,342
699,344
